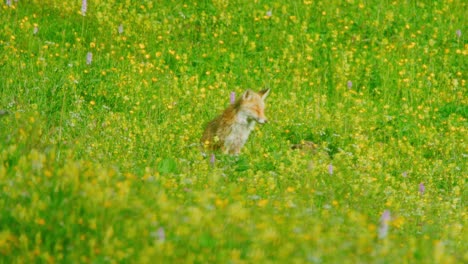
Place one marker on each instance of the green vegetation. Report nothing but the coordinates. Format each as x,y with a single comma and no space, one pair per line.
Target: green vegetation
100,116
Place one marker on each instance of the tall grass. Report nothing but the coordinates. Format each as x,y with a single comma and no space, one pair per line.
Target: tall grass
100,113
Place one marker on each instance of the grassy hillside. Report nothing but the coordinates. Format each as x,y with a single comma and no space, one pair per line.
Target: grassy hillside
101,107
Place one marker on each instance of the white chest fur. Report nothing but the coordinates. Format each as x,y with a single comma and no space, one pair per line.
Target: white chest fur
239,133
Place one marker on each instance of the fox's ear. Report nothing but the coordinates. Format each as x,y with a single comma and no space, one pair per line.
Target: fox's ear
247,95
264,93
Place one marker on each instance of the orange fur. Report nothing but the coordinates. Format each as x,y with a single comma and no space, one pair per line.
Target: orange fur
230,130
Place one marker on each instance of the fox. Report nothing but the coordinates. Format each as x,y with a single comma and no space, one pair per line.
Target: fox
229,131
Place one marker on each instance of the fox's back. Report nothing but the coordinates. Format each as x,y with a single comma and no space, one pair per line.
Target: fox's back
218,129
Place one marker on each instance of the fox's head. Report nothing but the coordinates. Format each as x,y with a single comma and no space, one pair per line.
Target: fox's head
252,105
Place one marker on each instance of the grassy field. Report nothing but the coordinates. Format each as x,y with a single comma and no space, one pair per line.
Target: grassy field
102,106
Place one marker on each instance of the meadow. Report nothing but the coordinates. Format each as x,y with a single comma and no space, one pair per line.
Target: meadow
102,104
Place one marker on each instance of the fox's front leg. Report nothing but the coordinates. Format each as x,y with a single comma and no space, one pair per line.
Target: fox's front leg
232,149
235,151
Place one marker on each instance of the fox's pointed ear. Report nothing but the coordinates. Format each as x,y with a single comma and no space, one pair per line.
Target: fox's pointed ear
247,95
264,93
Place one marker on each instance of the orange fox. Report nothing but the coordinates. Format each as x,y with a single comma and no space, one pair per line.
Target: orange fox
230,130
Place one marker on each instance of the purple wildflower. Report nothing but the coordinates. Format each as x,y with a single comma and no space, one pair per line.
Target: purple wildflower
161,234
89,58
232,99
384,221
458,32
422,188
349,84
212,159
120,29
84,7
330,169
8,2
404,174
268,13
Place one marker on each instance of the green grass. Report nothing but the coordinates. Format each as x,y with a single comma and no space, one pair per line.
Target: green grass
98,162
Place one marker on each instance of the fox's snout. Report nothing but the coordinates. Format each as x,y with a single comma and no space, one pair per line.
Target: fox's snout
257,116
262,121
